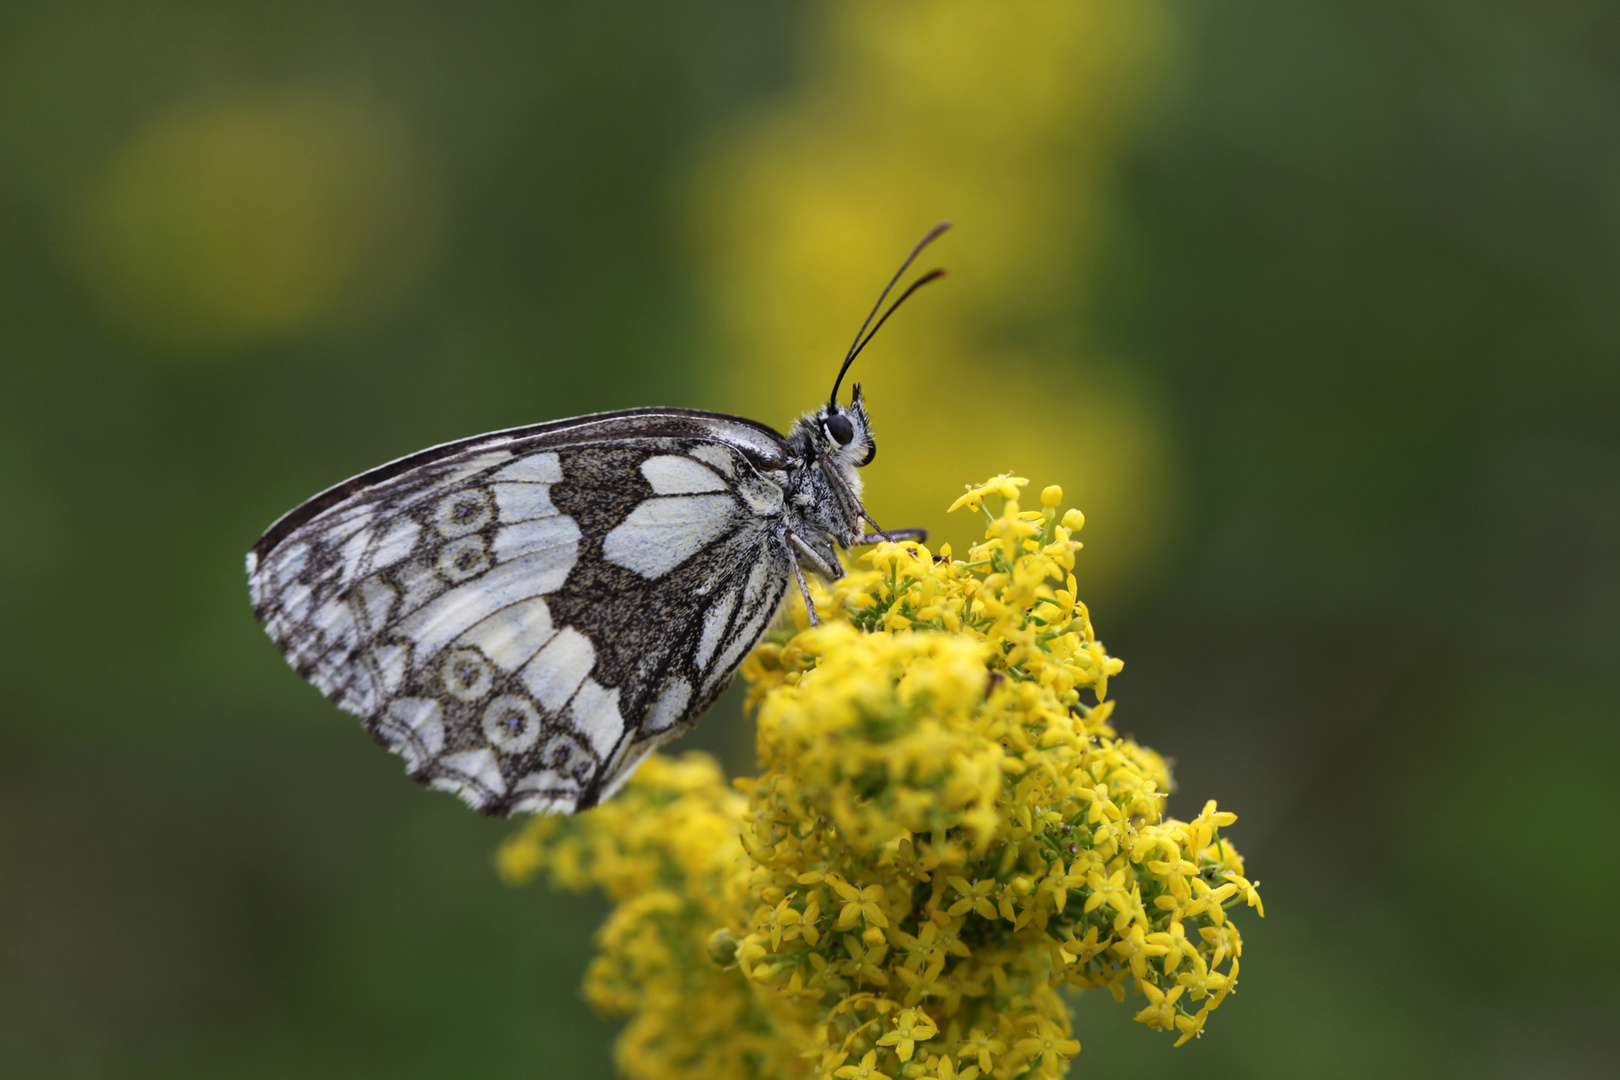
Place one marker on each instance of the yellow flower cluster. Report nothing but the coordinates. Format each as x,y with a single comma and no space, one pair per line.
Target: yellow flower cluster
942,836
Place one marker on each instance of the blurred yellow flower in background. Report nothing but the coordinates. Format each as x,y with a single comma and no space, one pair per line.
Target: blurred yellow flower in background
222,225
943,834
1007,119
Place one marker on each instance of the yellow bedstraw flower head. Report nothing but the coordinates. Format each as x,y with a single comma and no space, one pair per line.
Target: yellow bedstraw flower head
945,832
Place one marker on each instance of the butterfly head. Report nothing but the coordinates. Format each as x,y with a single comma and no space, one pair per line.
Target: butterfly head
840,432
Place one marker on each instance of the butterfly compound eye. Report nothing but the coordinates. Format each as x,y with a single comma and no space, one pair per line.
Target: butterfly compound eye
840,429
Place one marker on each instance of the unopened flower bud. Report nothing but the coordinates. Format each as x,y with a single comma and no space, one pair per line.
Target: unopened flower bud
722,946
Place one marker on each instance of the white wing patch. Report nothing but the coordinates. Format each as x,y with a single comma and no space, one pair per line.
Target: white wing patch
512,635
557,670
556,534
671,474
668,706
475,775
534,469
715,621
373,601
420,583
414,727
396,544
523,502
595,714
763,498
741,642
662,533
440,621
626,767
755,590
718,456
471,467
390,661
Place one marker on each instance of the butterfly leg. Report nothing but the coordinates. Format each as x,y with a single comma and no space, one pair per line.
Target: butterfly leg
793,560
892,535
880,532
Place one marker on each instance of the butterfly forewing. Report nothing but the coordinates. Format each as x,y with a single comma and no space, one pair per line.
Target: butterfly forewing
525,616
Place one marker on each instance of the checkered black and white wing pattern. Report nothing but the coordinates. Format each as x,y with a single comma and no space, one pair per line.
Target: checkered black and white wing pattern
524,618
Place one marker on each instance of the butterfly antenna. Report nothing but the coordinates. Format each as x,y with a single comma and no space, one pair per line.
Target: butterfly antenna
932,275
861,336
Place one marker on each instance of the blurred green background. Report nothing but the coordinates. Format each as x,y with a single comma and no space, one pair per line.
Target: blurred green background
1313,307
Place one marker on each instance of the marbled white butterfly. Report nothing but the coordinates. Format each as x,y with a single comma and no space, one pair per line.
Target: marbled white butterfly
526,615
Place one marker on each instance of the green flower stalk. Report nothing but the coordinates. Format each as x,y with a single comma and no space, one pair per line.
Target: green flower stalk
943,835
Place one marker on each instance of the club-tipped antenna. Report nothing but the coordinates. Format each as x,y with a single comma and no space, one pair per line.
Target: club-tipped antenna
861,336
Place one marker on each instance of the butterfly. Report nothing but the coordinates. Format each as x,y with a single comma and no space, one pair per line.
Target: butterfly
526,615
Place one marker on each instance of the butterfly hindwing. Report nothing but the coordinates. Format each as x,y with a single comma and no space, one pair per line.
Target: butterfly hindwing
524,616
